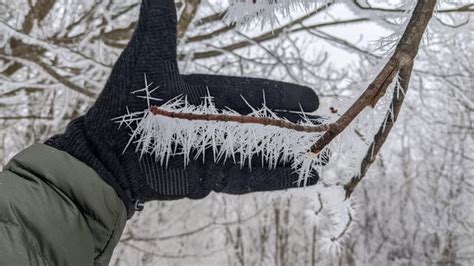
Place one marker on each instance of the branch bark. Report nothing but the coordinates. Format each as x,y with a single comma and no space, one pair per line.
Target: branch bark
239,119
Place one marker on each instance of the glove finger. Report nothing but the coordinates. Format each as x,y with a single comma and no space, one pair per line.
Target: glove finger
172,180
154,52
233,179
228,92
159,4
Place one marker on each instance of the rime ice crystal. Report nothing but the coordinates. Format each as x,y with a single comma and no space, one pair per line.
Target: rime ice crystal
164,137
243,12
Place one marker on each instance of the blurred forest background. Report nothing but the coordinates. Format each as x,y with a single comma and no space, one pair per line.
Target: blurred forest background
416,206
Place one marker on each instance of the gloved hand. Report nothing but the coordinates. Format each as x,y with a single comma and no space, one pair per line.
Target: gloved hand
96,140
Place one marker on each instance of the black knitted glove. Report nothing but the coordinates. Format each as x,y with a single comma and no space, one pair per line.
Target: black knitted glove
96,140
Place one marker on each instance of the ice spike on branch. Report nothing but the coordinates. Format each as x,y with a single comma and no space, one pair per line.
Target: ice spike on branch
164,131
264,12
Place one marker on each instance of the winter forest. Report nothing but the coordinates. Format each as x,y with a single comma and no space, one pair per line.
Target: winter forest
414,205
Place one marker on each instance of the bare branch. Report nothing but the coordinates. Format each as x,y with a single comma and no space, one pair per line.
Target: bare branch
64,80
37,12
190,9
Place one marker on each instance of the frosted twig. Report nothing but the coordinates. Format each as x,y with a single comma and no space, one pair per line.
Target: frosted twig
244,12
241,119
179,128
321,206
346,227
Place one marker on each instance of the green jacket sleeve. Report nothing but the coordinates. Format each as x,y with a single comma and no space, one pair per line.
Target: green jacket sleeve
55,210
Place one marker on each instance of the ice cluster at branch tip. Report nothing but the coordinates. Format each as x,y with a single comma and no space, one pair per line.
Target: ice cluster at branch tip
163,137
326,207
266,12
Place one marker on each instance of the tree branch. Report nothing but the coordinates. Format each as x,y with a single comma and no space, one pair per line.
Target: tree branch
464,8
211,18
63,80
37,12
422,13
261,38
403,56
239,119
383,131
189,12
